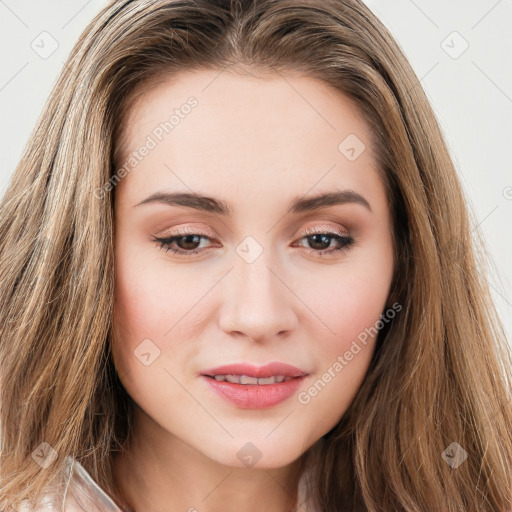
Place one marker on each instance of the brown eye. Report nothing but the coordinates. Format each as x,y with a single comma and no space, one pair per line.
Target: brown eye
319,242
184,244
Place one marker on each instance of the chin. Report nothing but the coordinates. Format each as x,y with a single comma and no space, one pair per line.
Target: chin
260,453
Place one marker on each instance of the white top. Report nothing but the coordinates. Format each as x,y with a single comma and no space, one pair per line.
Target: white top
80,493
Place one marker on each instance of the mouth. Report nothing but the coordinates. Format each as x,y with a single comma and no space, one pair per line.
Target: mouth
251,387
276,370
248,380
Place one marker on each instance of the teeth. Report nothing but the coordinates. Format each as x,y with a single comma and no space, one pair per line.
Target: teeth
248,380
245,379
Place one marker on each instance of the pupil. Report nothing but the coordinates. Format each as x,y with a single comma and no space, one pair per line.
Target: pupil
325,237
187,238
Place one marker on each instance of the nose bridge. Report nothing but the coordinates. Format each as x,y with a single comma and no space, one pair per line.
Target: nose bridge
257,303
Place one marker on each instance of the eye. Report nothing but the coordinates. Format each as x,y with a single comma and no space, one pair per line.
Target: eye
320,240
182,243
188,243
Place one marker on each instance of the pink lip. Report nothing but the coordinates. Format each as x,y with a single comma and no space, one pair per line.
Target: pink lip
269,370
254,396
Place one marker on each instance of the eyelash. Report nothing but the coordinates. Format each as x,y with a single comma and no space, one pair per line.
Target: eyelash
345,242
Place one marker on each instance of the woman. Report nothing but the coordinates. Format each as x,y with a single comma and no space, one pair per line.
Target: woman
326,343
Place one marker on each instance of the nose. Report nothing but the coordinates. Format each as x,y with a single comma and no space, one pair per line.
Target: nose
257,304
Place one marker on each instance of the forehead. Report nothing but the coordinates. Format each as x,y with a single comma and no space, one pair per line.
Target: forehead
245,132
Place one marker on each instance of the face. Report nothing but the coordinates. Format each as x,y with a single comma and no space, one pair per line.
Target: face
259,273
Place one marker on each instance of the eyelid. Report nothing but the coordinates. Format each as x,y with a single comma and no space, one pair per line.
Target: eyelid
327,229
334,232
188,230
310,230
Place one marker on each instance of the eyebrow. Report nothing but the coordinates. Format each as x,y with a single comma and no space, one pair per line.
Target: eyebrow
213,205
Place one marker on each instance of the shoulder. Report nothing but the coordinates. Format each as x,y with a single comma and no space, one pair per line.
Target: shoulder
83,493
50,502
77,491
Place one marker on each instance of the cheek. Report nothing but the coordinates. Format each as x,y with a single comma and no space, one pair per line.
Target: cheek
351,306
142,310
153,308
145,309
350,302
149,299
351,310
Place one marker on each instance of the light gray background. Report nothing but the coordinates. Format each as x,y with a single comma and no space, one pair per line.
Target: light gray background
471,93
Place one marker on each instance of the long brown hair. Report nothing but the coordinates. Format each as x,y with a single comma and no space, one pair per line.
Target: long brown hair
441,371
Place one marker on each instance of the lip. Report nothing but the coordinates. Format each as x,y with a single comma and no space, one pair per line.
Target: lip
268,370
255,396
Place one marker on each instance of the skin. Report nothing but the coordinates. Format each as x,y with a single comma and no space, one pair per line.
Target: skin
257,144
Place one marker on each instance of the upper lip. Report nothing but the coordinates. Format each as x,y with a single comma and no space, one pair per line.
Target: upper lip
268,370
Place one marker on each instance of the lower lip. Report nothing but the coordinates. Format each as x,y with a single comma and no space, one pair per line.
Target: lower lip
254,396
